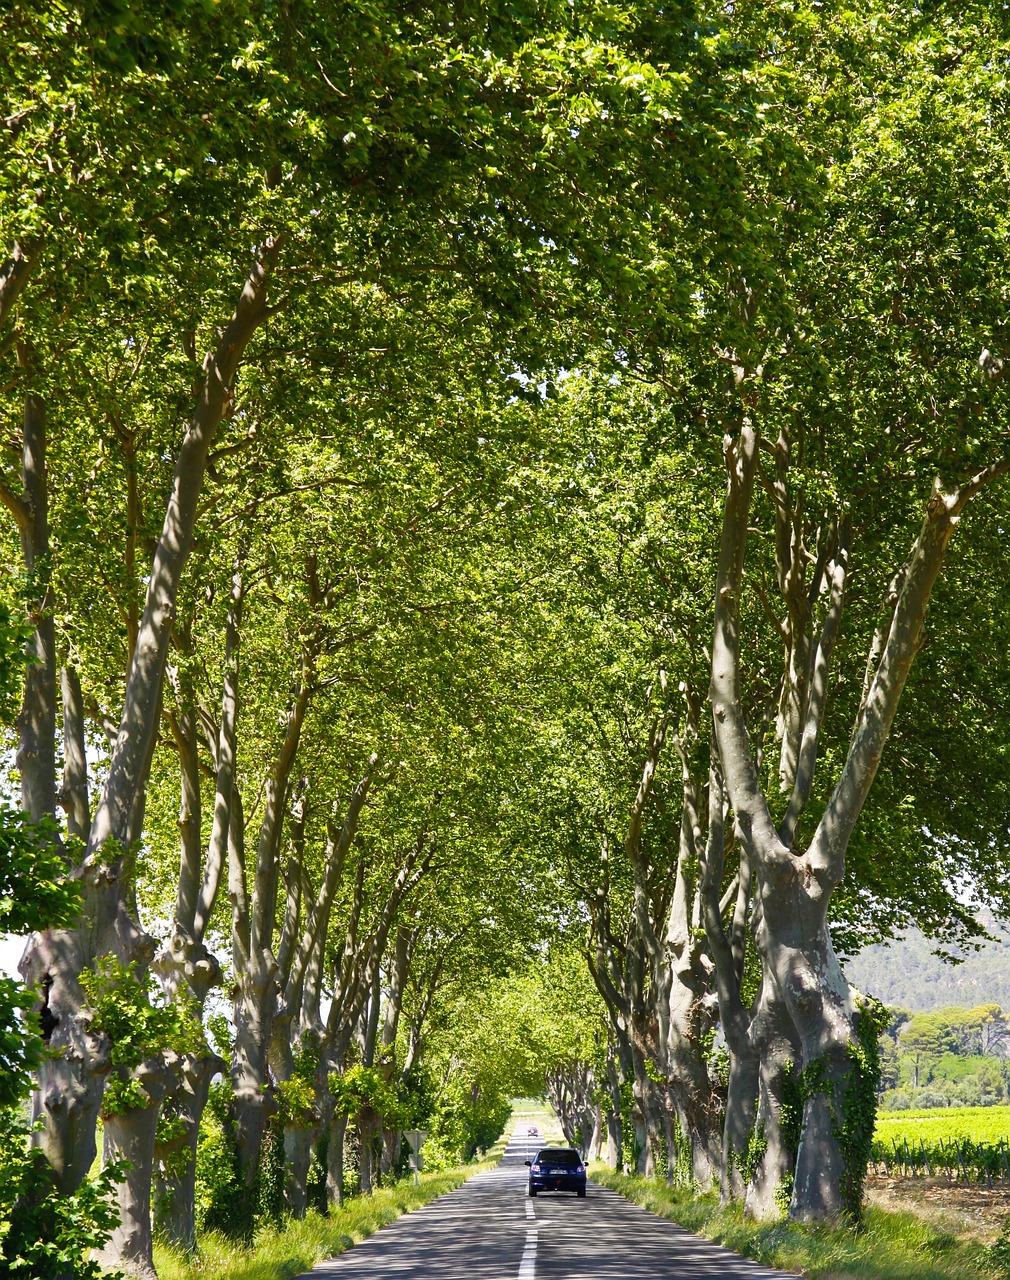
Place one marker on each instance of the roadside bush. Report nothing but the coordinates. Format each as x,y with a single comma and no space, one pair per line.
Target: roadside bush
224,1203
44,1234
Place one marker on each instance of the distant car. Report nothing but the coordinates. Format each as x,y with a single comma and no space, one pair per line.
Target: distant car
557,1169
532,1131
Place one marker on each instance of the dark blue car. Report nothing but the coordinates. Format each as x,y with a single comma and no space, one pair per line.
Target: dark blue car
557,1169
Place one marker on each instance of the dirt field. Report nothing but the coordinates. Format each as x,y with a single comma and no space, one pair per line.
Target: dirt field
969,1210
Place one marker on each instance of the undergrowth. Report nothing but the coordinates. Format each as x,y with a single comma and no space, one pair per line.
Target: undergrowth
279,1253
887,1245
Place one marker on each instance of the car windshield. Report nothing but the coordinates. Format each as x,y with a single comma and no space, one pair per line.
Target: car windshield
559,1155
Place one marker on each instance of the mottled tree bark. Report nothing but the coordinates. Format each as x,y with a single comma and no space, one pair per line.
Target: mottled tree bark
175,1186
298,1141
775,1045
335,1160
368,1126
727,946
74,791
615,1135
129,1137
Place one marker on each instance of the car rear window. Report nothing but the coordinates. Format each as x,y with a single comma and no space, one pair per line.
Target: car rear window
559,1155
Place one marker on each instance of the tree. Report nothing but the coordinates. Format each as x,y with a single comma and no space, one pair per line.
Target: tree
924,1039
992,1029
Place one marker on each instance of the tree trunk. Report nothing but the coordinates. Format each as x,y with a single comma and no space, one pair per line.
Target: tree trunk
615,1128
596,1138
130,1137
639,1152
253,1008
741,1116
224,789
175,1159
615,1156
14,273
366,1134
689,1084
805,969
256,991
36,722
335,1161
74,792
71,1080
391,1142
773,1041
728,948
298,1140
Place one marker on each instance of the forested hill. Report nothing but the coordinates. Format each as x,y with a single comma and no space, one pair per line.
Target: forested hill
908,973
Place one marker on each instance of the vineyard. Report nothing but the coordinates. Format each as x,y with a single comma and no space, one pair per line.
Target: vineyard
963,1144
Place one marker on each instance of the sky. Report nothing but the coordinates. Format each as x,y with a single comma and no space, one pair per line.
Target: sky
10,953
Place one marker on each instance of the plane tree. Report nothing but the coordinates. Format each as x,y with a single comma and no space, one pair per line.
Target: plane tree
838,474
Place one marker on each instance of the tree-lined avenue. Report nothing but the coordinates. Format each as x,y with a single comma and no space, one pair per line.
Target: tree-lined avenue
502,588
491,1230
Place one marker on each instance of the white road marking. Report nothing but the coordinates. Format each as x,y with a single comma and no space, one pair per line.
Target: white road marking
528,1262
529,1210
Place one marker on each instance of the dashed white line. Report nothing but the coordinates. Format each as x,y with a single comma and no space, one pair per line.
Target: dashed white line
528,1262
529,1210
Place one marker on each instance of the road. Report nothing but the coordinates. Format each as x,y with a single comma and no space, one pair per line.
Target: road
490,1230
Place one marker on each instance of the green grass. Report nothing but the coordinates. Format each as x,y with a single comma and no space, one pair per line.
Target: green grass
297,1246
888,1246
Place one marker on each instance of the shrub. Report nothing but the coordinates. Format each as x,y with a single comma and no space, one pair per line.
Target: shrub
225,1203
44,1234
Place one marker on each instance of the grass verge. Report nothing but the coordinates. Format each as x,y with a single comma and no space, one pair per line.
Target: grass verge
286,1251
888,1245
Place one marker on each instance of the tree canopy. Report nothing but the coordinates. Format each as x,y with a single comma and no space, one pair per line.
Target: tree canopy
503,561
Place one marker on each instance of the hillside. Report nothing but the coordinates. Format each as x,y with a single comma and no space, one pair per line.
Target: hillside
908,973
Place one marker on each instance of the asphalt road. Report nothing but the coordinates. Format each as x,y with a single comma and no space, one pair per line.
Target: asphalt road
490,1230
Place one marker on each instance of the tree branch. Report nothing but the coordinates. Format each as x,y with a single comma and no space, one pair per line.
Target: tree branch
126,776
904,639
740,773
818,693
14,275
